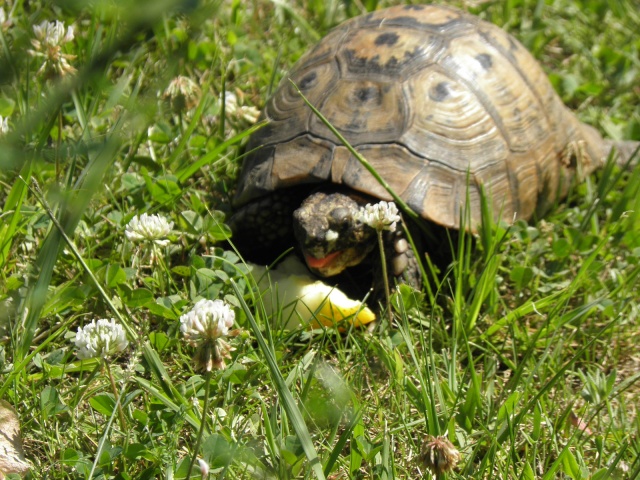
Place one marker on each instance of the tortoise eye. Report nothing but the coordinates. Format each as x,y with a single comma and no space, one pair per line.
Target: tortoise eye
340,217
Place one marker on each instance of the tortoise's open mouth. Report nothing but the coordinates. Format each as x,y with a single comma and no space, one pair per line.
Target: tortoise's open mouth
336,262
321,263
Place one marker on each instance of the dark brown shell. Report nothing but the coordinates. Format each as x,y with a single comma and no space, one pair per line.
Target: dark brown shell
441,103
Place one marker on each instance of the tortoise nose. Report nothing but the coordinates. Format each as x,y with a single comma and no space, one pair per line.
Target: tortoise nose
315,248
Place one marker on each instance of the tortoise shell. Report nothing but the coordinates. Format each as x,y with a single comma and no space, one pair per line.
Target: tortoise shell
442,104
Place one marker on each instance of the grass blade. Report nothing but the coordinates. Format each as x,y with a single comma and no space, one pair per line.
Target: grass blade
290,406
12,206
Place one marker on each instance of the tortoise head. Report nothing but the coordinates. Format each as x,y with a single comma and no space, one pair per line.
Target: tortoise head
330,234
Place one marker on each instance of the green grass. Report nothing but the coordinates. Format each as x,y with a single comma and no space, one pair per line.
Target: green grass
530,331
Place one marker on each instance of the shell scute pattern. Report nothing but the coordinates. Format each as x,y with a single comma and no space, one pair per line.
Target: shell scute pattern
443,105
364,111
455,122
304,159
364,55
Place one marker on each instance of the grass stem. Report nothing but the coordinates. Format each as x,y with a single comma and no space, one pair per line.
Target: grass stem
385,276
123,423
205,407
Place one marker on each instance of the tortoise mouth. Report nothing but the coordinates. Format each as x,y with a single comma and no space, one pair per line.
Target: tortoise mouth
321,263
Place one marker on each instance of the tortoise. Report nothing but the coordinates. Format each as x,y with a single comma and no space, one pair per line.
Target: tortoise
446,108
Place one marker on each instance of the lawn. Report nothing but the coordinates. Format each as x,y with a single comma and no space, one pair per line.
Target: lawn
522,354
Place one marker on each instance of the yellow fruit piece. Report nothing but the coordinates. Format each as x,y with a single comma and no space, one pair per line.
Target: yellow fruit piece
304,300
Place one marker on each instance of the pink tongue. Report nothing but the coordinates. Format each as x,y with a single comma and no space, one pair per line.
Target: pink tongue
320,262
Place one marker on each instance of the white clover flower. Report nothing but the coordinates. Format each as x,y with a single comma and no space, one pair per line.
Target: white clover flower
149,228
204,327
381,216
230,103
4,125
249,114
204,468
100,338
5,20
208,320
53,34
439,455
233,110
183,93
50,37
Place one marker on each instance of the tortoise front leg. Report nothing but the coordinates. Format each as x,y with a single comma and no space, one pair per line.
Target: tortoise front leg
402,264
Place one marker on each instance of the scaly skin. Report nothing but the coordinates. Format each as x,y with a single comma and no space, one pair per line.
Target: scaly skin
332,238
329,233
